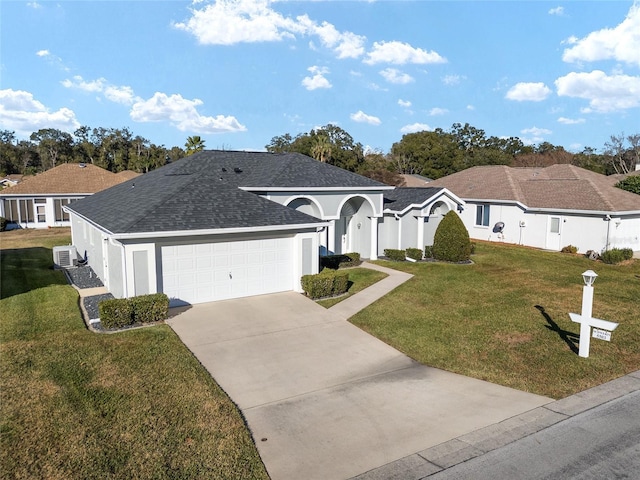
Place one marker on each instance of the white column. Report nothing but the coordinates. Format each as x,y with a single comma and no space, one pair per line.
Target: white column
585,325
331,237
399,223
420,233
374,238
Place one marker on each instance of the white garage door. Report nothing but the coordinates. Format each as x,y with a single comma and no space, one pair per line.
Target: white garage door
207,272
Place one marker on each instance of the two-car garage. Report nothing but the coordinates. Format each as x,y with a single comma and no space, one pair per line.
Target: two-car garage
210,271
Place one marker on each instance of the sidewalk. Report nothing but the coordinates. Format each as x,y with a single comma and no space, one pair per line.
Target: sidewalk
453,452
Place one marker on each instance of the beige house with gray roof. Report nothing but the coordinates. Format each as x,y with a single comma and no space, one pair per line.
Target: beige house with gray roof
547,207
38,201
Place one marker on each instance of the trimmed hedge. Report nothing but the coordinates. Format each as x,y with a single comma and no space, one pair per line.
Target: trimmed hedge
451,242
616,255
428,251
327,283
334,262
124,312
3,224
414,253
395,255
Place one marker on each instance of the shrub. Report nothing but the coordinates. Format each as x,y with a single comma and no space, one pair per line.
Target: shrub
616,255
569,249
451,241
115,313
473,248
395,255
325,284
334,262
123,312
150,308
428,251
414,253
3,224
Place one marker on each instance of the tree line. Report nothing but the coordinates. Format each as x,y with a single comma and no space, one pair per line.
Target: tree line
432,154
437,153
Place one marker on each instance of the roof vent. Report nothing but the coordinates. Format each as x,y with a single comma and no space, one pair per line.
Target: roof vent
224,169
237,170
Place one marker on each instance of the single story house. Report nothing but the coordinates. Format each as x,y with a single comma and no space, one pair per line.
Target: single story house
223,224
11,180
38,201
546,208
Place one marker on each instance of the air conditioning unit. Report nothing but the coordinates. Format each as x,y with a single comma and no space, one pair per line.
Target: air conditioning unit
64,257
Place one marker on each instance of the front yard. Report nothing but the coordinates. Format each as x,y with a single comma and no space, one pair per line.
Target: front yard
74,404
505,318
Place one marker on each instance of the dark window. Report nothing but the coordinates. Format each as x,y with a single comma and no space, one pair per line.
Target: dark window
482,215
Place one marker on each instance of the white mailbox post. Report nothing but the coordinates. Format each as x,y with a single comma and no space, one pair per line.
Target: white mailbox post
586,320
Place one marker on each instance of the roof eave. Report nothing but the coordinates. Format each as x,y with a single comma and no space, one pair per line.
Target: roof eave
442,191
315,189
218,231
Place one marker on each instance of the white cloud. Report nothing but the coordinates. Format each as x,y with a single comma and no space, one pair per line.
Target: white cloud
452,79
404,103
228,22
400,53
471,107
621,43
438,111
557,11
34,5
86,86
123,95
22,113
362,117
416,127
182,113
43,53
533,92
534,135
318,79
570,121
606,93
393,75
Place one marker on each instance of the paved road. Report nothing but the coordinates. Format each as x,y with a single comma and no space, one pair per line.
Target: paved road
601,443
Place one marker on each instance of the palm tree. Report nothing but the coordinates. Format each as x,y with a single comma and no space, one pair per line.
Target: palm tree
194,144
321,149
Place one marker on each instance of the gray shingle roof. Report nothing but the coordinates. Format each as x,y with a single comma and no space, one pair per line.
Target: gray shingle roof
202,192
402,197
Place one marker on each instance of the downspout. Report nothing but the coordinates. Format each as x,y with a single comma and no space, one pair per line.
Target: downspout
607,219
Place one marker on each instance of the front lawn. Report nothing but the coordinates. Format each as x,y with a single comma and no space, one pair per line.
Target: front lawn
77,405
505,318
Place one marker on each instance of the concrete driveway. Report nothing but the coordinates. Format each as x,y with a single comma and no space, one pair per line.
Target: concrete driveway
325,400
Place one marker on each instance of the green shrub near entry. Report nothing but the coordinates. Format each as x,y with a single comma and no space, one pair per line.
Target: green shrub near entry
616,255
414,253
569,249
428,251
115,313
150,308
395,255
3,224
325,284
124,312
334,262
451,241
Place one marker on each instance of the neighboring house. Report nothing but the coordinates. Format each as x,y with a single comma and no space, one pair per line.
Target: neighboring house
414,180
11,180
547,208
38,201
219,224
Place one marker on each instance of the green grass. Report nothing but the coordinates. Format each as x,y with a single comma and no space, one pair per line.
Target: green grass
505,318
77,405
359,279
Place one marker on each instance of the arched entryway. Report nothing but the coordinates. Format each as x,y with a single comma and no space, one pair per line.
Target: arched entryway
353,228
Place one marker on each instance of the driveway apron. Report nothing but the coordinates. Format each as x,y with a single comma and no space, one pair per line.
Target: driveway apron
324,399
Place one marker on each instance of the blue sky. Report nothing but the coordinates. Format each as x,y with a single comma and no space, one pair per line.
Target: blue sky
239,72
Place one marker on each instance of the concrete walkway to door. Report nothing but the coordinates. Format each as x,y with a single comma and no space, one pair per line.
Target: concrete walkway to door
325,400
